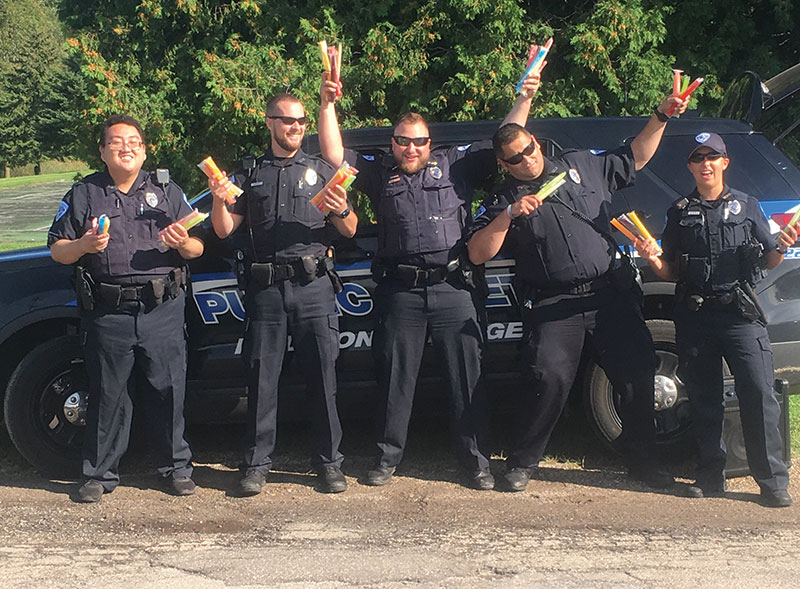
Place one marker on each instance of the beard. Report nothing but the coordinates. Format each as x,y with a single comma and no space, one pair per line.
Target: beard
290,142
413,167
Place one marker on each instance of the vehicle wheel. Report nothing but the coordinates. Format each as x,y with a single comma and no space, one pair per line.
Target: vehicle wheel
673,421
45,407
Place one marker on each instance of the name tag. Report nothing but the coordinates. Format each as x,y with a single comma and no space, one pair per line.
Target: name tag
254,184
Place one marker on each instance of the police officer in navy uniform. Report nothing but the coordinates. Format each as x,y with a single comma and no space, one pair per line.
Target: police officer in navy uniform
572,288
715,245
426,286
289,287
131,293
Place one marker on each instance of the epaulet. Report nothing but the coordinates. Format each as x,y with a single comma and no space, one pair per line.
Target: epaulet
681,203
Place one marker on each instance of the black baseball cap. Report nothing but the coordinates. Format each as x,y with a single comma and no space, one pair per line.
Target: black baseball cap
710,140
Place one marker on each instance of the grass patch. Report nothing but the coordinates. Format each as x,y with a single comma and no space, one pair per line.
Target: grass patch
41,178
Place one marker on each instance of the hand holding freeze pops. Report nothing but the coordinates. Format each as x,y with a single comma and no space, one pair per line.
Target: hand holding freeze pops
632,227
211,170
684,92
344,177
100,225
535,64
189,221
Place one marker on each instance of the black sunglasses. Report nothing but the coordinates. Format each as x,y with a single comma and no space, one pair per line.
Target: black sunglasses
517,157
290,120
403,141
711,156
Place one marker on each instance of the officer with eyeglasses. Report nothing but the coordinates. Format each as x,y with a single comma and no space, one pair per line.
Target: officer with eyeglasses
131,282
572,288
426,287
717,245
289,289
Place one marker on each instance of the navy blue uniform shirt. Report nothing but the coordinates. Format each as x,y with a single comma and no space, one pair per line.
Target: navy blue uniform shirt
551,247
135,253
421,216
277,205
711,233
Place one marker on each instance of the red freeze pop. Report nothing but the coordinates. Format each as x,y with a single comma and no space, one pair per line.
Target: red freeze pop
531,55
676,82
686,94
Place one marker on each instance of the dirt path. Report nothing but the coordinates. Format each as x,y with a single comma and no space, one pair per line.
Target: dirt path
573,527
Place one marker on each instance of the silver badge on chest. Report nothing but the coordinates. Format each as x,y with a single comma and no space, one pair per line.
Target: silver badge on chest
151,198
574,176
733,207
309,178
436,172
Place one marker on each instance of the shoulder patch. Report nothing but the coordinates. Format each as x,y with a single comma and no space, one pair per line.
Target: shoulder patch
63,207
597,151
464,147
369,158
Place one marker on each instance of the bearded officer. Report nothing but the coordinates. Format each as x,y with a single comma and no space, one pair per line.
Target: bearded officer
289,289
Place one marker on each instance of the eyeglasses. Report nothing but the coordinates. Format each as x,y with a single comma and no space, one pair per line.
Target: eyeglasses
119,144
711,156
290,120
402,141
517,157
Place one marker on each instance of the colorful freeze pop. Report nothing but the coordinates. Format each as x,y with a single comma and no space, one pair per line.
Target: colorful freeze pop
684,90
344,177
100,225
189,221
211,170
535,64
632,227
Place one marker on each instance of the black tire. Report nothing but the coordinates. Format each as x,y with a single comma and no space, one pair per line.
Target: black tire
673,420
34,407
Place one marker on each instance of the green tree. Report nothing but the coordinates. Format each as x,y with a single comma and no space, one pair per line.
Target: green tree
30,55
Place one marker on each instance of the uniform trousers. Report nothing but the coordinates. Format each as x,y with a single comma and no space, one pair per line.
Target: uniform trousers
154,341
704,337
308,312
405,319
554,334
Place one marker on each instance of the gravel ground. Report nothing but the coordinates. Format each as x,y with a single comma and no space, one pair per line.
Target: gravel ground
580,524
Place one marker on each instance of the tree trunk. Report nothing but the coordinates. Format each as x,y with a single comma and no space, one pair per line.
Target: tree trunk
6,171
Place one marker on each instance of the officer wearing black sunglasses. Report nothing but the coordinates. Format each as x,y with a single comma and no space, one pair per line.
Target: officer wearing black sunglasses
716,245
289,289
572,287
426,286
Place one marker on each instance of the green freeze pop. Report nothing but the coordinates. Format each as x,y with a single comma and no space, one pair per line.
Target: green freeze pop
551,186
795,217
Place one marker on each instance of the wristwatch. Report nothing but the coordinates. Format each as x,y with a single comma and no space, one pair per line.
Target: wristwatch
660,115
343,214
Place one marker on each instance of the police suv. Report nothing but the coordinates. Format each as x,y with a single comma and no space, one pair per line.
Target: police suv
41,369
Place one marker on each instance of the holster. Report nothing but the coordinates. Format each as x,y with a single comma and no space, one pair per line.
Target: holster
84,289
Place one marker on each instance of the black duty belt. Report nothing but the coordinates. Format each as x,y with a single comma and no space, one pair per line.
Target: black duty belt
414,276
303,269
152,293
589,286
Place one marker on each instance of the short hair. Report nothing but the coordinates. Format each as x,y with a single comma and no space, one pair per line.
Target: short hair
505,135
412,118
273,102
119,120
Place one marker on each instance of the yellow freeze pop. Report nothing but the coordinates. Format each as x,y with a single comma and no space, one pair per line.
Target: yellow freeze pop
323,49
210,169
635,218
189,221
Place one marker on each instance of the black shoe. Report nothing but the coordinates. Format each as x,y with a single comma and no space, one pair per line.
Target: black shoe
90,492
379,476
517,478
181,486
698,491
331,478
652,476
775,498
482,480
251,483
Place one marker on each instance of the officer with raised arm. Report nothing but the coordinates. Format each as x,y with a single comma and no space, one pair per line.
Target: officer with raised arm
290,289
573,287
716,245
131,283
426,286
